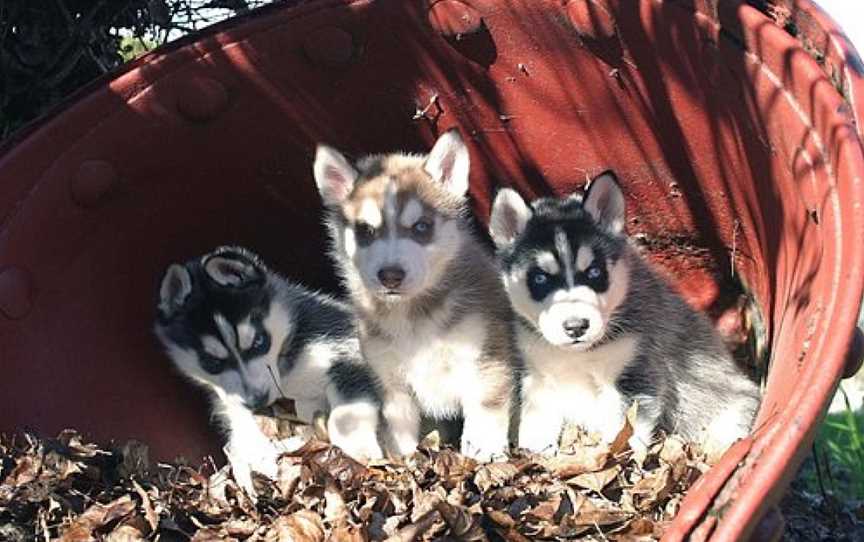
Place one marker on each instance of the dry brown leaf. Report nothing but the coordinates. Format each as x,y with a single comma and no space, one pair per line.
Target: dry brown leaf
96,517
411,532
146,506
546,510
674,450
586,459
600,513
494,475
501,518
302,526
596,481
125,533
463,525
211,534
655,487
241,528
431,442
347,533
622,441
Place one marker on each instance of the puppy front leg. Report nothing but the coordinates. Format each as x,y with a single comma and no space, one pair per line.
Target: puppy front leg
403,421
248,449
353,425
541,420
487,417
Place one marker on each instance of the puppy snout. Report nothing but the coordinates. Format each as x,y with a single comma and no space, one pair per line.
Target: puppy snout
257,400
391,277
576,327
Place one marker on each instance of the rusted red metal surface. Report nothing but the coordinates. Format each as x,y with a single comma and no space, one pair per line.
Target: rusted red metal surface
732,127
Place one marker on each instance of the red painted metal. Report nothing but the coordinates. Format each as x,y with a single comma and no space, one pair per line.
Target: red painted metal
734,130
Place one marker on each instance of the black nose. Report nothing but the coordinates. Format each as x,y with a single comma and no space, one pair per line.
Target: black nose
257,400
576,327
391,277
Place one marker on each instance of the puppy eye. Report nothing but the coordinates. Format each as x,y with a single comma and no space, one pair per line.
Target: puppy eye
364,232
540,278
422,227
593,272
212,364
260,344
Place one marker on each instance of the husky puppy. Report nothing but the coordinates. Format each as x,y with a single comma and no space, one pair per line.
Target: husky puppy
435,323
249,337
599,329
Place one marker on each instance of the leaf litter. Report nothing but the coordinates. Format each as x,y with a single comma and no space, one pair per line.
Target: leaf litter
71,490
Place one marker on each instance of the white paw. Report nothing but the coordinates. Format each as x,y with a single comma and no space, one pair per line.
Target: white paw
484,450
360,447
539,444
246,458
405,445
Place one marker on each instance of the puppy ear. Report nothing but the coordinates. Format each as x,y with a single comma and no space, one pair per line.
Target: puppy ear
334,175
175,289
449,163
604,201
229,266
510,215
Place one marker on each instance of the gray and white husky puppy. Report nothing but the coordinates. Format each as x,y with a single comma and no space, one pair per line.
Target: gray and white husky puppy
599,329
435,323
250,337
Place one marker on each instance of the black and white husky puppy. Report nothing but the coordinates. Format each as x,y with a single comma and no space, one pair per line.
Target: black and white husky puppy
249,336
435,323
599,329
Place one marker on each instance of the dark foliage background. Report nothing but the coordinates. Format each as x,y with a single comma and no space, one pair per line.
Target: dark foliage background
50,48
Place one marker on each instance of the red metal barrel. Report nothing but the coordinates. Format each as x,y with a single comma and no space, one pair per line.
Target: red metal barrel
733,128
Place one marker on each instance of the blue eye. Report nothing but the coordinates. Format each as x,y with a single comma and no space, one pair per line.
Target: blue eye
258,342
593,272
540,278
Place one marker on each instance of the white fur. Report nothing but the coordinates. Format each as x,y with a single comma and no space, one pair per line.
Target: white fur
245,334
423,264
175,288
353,425
547,262
584,257
579,302
578,387
509,217
440,367
370,214
334,175
411,213
727,427
214,347
449,163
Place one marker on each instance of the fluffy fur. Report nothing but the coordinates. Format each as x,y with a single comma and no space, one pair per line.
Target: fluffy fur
599,329
435,323
249,337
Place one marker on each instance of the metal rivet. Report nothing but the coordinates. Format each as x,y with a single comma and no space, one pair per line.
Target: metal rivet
16,293
453,18
93,181
592,19
201,98
330,47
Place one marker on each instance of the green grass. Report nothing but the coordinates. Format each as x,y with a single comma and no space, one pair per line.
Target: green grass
839,455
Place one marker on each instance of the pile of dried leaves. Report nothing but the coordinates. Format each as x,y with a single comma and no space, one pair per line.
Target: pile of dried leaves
76,491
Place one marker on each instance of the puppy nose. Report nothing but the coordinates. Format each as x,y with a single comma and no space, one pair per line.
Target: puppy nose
391,277
257,400
576,327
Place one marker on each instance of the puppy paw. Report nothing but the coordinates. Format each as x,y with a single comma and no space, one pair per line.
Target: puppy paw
246,458
484,451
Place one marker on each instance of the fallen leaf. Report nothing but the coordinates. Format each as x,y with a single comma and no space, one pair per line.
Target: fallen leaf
125,533
494,475
587,459
96,517
146,506
622,440
302,526
595,481
463,525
